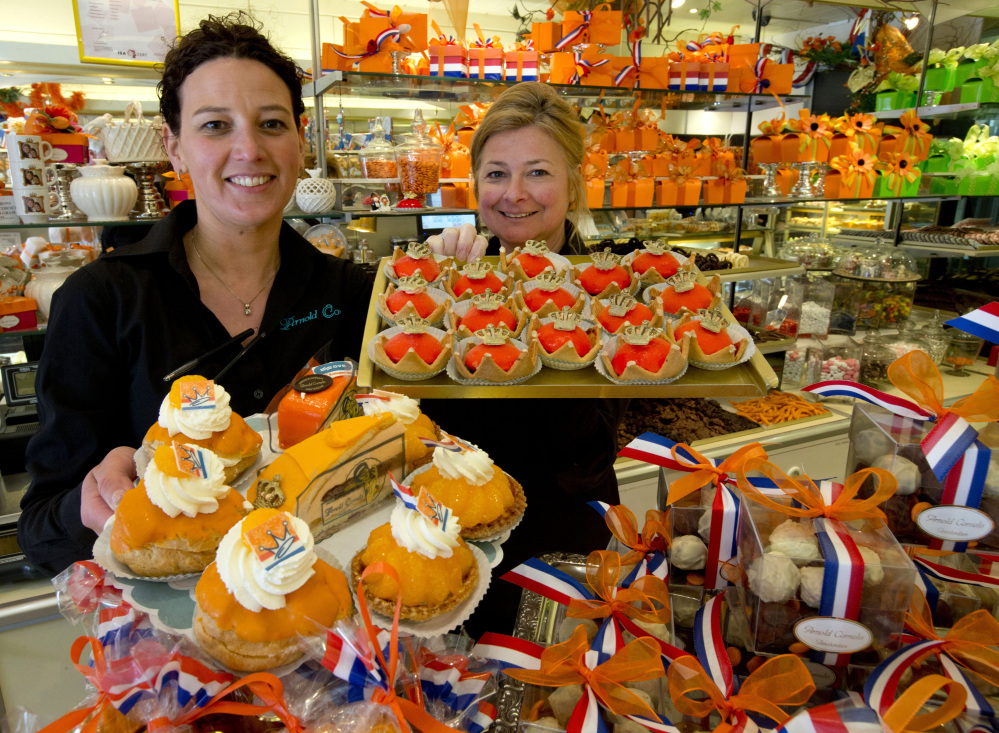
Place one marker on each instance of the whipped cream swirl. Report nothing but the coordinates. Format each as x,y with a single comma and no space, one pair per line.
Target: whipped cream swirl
253,586
197,424
416,533
404,408
473,465
189,495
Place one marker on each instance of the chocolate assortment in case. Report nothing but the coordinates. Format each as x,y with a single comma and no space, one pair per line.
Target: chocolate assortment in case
792,548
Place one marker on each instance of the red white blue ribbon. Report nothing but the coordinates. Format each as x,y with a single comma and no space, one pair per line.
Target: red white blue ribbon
445,444
484,717
953,575
760,84
896,405
578,61
349,657
723,537
983,323
653,563
927,587
509,651
710,646
964,486
842,579
454,681
632,68
574,35
843,716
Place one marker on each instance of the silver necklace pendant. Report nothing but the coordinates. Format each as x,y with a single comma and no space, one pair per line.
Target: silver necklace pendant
246,309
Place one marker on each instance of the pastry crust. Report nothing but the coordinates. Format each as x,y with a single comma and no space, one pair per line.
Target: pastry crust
237,653
409,310
410,363
414,613
675,363
452,318
567,352
729,355
520,294
510,265
488,370
655,305
398,253
612,288
506,519
175,556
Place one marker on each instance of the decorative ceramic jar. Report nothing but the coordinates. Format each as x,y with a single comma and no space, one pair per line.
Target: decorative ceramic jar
103,192
46,280
315,195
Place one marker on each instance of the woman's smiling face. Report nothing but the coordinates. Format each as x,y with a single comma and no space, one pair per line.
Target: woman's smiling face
522,187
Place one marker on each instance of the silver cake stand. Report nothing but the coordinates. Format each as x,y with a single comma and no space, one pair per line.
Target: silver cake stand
149,204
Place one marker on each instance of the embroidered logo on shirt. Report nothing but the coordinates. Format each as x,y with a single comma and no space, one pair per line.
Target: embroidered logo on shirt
327,311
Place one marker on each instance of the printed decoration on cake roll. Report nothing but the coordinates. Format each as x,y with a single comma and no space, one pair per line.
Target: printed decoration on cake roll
646,599
917,376
360,657
601,676
842,580
648,548
780,681
454,680
983,322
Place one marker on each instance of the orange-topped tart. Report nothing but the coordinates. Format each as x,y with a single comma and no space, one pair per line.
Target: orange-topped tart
683,293
547,293
605,276
654,262
710,343
466,480
417,258
488,309
476,278
437,570
410,297
494,356
621,310
407,410
173,520
565,344
197,412
416,351
529,261
265,589
643,353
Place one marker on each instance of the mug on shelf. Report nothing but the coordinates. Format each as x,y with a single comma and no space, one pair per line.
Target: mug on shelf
22,148
31,173
32,204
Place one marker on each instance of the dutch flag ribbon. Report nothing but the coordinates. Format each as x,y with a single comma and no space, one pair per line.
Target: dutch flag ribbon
842,580
576,33
983,323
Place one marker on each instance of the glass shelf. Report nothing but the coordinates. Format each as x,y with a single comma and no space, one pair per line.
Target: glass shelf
468,91
967,110
136,222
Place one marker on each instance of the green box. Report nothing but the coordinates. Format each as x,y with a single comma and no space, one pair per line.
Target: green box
935,164
983,161
940,79
894,99
883,191
974,185
982,91
966,70
943,185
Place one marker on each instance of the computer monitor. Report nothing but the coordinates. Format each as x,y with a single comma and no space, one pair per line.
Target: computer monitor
429,224
19,383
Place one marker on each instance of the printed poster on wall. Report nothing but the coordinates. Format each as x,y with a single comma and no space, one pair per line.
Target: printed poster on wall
125,32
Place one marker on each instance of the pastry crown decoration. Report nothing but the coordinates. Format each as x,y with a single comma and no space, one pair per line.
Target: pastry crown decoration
269,493
493,335
605,260
478,269
712,320
565,319
536,247
549,280
639,335
419,251
412,284
413,324
488,301
655,247
620,304
682,281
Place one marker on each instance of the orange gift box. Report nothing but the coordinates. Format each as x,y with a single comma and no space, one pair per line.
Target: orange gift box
485,63
702,166
545,36
636,194
686,194
333,61
598,160
724,191
604,27
785,179
743,54
595,190
522,65
379,63
370,26
863,188
791,151
888,144
833,185
74,146
617,65
766,148
472,203
916,146
639,138
735,76
656,165
841,143
653,73
780,76
449,60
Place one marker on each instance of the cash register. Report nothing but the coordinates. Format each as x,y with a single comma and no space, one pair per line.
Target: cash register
18,422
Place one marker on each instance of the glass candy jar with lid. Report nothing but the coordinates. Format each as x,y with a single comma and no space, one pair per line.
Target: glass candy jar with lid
937,337
776,305
834,358
813,253
378,156
419,160
962,352
875,358
818,295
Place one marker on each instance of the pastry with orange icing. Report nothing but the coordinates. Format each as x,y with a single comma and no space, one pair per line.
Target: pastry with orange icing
465,479
605,276
197,412
265,589
475,278
407,410
417,257
711,344
436,568
563,342
654,262
416,351
621,310
484,310
682,293
172,522
316,398
411,297
530,261
642,353
548,293
495,356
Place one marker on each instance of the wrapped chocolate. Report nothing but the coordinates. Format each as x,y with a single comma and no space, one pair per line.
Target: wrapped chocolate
857,605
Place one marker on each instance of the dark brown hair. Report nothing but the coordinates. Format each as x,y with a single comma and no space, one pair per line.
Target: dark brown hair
236,35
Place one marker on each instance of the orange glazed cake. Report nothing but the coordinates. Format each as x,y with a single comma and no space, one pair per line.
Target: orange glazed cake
174,519
407,410
264,590
197,412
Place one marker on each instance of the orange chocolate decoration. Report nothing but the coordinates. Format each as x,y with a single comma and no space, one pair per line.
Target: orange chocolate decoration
324,598
304,409
140,523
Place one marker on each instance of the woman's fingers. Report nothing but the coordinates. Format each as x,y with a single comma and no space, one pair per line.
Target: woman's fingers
104,487
463,243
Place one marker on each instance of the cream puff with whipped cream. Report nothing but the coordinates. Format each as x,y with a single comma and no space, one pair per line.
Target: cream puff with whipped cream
197,412
465,479
265,590
407,411
173,520
436,568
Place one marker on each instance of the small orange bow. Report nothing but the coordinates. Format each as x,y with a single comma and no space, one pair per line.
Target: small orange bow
855,163
729,171
783,680
655,536
899,169
704,471
682,168
774,126
903,716
917,376
813,130
645,600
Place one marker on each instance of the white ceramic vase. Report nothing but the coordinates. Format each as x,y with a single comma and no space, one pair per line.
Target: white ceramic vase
315,195
104,192
44,282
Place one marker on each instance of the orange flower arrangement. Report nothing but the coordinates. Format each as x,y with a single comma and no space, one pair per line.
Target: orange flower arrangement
856,162
899,169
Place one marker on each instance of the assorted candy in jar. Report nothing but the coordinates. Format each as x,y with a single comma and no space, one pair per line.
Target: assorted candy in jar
887,278
834,358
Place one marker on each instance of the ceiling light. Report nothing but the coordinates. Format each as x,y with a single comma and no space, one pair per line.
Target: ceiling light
693,10
911,22
677,3
107,80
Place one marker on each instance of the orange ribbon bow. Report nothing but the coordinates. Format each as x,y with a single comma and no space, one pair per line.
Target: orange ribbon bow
858,126
855,163
645,600
450,143
899,169
566,664
264,685
971,642
903,715
783,680
682,169
915,130
774,126
441,39
654,537
917,376
801,488
729,171
813,130
704,471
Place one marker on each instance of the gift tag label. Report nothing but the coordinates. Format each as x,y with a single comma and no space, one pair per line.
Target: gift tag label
197,395
335,369
191,460
825,678
312,383
835,635
954,523
433,510
274,541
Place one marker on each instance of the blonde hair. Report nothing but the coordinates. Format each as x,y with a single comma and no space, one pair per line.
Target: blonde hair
533,103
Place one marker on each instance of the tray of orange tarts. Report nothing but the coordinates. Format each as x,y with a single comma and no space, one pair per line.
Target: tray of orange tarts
750,379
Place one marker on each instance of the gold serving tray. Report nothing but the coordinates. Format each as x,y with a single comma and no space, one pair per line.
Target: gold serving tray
751,379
